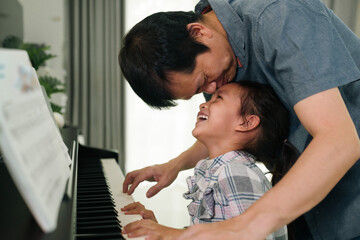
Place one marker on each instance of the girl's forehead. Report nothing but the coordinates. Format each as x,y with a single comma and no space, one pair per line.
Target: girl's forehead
231,88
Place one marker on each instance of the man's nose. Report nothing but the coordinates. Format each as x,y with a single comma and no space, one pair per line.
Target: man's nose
210,87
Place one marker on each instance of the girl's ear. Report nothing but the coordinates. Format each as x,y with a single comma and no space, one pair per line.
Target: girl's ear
198,30
249,123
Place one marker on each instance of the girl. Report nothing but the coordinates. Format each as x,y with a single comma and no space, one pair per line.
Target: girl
242,123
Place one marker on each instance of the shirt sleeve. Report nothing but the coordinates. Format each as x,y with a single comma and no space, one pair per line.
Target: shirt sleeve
302,49
240,186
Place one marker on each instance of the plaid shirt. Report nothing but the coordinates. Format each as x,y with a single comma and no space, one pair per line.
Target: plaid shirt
225,187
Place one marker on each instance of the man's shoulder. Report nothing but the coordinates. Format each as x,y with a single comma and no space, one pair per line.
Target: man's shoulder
257,8
252,7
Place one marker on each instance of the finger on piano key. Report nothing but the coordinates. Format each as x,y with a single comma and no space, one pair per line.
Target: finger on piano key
115,177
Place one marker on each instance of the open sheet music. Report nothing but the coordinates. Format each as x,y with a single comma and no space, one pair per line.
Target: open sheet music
30,142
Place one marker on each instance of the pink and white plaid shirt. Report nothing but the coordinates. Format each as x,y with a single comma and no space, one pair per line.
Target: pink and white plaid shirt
225,187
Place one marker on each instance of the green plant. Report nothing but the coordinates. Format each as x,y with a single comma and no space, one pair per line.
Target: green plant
38,57
52,85
37,52
12,42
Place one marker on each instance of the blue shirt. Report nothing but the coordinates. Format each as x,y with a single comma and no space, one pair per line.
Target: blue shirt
300,48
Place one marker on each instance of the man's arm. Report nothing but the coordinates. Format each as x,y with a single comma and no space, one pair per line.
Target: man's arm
165,173
333,151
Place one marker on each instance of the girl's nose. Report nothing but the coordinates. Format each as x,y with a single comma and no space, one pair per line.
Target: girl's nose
202,106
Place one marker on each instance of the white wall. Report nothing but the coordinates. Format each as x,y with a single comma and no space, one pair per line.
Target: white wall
348,11
154,136
43,22
10,19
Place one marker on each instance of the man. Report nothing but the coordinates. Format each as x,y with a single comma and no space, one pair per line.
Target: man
311,60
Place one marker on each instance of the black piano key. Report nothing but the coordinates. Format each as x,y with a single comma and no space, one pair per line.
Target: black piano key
98,207
89,183
83,177
91,188
92,185
94,203
97,222
112,236
94,192
104,209
82,190
96,214
95,198
112,228
87,173
100,202
96,218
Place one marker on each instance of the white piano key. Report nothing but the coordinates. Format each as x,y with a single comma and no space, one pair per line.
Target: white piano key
115,178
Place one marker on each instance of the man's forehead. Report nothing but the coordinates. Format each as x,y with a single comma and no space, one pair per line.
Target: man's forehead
182,85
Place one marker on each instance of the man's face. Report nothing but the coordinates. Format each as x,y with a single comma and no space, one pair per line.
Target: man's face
214,68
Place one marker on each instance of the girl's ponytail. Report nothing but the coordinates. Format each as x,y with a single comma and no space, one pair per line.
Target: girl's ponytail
288,157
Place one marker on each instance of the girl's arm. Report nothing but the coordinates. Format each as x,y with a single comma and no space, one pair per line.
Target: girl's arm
164,174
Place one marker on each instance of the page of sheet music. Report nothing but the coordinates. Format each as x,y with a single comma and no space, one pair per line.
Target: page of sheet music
33,150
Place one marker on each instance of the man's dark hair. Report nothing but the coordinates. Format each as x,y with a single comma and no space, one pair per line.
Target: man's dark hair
155,46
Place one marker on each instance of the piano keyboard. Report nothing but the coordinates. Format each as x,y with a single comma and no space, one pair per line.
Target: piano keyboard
99,199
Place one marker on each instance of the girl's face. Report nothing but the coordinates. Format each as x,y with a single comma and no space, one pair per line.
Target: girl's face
217,118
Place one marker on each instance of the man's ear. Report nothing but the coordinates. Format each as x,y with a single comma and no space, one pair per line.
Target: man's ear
249,123
198,30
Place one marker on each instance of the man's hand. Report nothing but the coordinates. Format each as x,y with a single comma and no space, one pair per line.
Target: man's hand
220,230
164,174
138,208
150,229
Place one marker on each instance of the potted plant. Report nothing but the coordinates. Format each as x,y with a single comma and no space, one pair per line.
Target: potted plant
38,56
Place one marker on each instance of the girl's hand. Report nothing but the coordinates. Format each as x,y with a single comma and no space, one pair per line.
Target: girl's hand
138,208
150,229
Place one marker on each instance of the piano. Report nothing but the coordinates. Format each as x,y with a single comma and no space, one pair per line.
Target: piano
91,210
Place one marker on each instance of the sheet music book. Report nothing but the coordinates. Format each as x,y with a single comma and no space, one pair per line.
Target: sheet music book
31,144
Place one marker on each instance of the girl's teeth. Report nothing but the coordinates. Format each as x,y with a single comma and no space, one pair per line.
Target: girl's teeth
203,117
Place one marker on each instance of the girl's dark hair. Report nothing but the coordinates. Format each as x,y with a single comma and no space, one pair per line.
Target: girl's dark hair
288,156
271,147
155,46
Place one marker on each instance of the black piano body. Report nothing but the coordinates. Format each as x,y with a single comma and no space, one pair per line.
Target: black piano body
17,222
